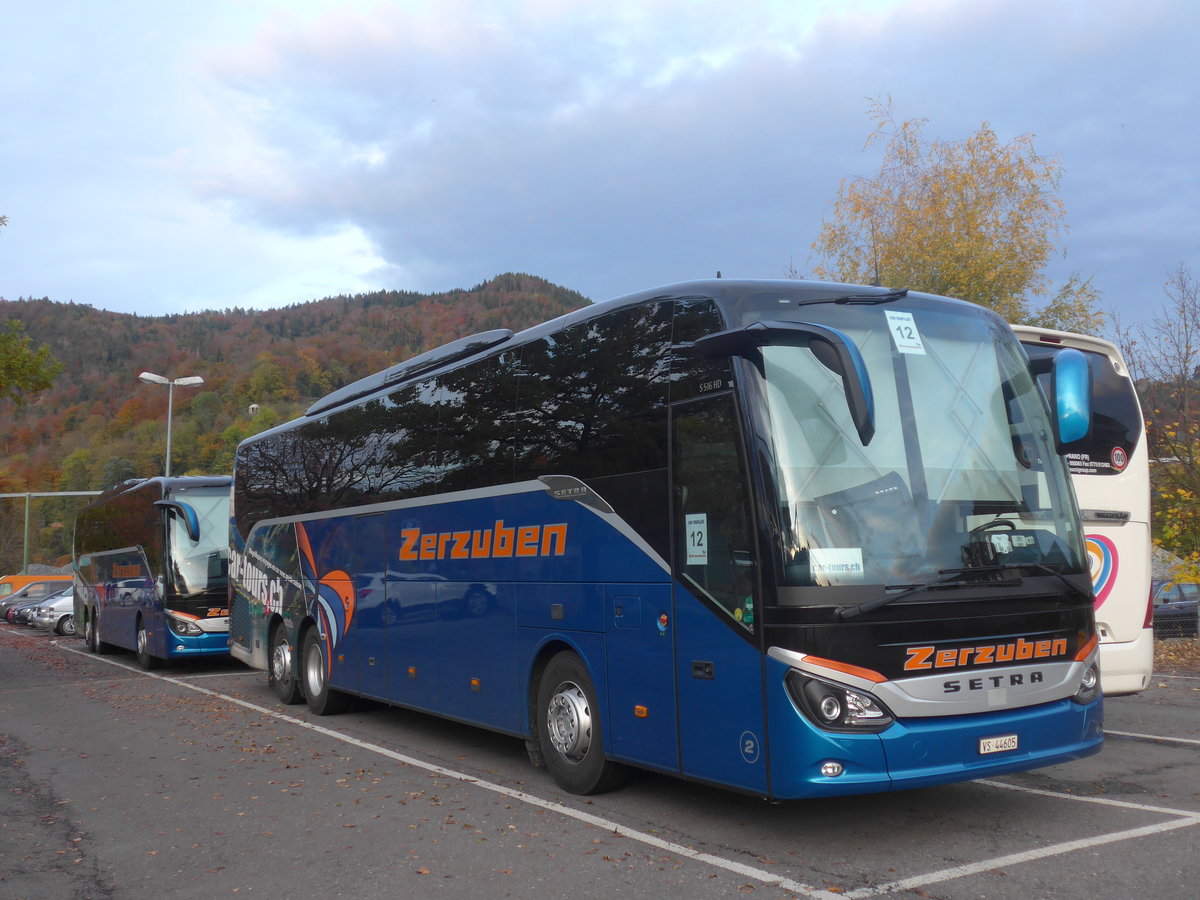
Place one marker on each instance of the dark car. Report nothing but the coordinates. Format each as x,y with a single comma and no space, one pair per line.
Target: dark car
22,614
1175,604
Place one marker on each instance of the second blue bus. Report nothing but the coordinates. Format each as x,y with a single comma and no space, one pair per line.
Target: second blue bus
151,564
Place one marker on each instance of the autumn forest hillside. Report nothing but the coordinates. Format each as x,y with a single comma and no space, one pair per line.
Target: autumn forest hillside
99,424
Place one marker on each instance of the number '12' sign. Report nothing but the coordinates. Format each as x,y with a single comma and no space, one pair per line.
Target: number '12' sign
904,332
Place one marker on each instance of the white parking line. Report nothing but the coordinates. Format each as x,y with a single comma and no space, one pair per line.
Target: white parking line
1183,819
215,674
1099,801
1180,818
999,862
1108,732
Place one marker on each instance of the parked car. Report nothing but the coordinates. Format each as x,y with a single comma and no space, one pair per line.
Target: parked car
1175,608
36,589
10,609
57,613
12,584
22,614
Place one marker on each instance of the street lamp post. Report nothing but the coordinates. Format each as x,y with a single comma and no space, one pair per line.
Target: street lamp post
187,381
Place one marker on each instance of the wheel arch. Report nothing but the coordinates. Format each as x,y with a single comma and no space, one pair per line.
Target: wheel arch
550,647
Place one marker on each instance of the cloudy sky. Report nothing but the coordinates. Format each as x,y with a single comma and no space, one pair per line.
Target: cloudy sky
165,156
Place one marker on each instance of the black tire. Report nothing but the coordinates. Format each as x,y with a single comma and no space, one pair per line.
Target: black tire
65,625
322,699
144,657
569,731
91,634
281,668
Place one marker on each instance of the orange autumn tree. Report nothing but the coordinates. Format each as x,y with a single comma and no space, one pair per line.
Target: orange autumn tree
975,219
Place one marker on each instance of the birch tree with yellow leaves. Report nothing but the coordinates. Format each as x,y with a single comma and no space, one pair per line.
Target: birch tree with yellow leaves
976,219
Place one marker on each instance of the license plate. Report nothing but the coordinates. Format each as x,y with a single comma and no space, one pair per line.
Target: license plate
999,744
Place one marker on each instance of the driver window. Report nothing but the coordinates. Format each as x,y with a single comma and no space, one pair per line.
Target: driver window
713,533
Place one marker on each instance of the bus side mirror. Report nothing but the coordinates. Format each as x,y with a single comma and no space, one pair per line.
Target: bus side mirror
190,520
833,349
1071,397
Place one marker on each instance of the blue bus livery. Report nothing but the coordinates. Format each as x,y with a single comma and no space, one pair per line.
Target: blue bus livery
151,569
791,538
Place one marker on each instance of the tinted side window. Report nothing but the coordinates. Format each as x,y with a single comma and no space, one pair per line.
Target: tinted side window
132,520
384,449
256,482
591,400
693,375
475,429
402,455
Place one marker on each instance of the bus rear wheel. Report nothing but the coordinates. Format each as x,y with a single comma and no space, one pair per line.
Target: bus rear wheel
322,699
145,658
281,670
569,731
91,633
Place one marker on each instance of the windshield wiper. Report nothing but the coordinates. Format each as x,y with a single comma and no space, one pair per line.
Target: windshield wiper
978,570
1044,569
950,579
859,299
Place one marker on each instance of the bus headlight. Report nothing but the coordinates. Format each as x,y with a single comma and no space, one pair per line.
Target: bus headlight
1089,685
835,707
183,627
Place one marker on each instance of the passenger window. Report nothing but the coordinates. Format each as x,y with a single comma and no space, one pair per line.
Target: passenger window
475,427
693,375
591,399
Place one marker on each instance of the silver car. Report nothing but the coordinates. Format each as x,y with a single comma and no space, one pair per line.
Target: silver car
57,613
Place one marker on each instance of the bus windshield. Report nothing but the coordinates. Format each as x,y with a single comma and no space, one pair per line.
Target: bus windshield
962,471
199,566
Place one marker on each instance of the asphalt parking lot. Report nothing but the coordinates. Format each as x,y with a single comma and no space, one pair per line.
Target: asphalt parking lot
384,802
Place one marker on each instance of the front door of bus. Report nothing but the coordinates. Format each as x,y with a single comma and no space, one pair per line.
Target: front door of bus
718,664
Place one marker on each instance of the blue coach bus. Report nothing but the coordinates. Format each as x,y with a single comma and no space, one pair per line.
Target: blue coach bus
151,561
796,539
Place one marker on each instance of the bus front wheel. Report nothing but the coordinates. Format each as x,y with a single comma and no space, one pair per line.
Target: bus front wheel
145,658
568,729
322,699
281,671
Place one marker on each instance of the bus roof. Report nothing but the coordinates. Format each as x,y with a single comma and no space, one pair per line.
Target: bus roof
165,485
729,293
